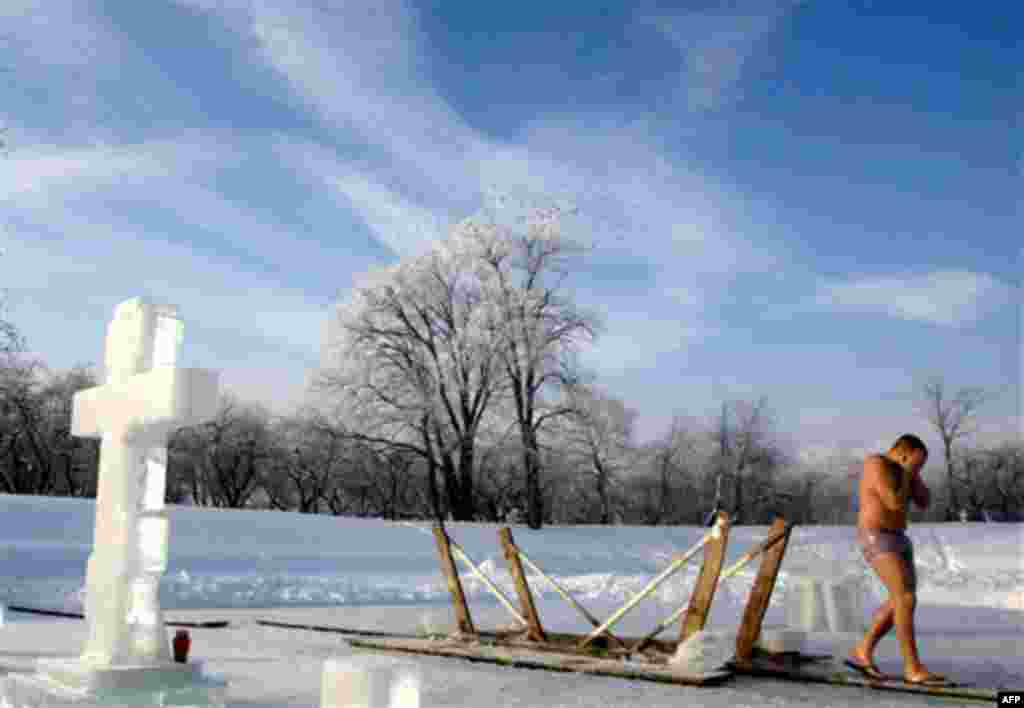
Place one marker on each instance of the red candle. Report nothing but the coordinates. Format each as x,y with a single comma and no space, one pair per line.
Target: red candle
181,644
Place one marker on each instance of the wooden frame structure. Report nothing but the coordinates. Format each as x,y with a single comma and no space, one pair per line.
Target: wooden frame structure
601,641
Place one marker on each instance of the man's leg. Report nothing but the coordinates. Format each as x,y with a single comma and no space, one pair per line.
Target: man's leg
871,544
893,572
881,622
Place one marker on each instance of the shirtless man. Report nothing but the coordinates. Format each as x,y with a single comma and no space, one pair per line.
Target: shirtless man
885,486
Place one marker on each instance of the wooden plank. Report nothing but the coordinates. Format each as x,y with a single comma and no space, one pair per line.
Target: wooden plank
335,630
444,549
527,658
704,591
831,671
536,631
761,592
556,641
564,594
210,624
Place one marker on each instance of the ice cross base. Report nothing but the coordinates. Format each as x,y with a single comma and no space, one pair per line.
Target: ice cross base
144,398
71,683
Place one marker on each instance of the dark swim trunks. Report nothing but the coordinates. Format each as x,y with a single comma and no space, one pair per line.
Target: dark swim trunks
874,542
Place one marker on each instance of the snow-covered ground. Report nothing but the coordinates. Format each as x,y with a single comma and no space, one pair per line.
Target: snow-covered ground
244,565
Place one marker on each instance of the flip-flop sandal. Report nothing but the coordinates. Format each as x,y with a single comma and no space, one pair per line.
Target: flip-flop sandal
933,680
869,671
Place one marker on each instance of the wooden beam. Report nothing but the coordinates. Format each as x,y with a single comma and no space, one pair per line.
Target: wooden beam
530,657
444,549
704,591
569,598
536,631
761,592
677,562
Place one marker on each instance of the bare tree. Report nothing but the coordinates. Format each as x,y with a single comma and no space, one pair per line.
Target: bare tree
994,478
38,454
223,459
679,458
953,420
74,461
746,456
599,435
25,459
820,489
499,482
540,325
417,350
11,340
307,454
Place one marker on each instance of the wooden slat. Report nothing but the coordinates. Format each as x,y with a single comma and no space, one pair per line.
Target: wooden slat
550,661
444,549
208,624
536,631
761,592
556,641
704,591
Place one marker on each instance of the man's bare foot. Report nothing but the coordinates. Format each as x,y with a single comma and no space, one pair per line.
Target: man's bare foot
923,676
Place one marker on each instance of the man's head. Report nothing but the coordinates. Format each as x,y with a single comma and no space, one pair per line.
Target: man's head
909,451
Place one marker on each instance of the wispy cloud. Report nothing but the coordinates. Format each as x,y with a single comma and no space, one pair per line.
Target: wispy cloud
717,45
79,239
948,297
37,171
425,168
402,225
41,33
263,337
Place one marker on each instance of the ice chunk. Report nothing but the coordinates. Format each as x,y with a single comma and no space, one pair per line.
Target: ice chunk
367,681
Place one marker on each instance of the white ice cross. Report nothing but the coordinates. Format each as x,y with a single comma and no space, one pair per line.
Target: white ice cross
144,398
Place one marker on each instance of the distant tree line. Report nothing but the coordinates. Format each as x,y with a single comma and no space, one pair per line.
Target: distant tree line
451,390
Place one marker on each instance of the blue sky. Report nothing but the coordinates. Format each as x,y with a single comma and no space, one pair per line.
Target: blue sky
801,200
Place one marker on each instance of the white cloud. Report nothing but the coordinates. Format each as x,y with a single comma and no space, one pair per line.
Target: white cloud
406,228
426,165
54,33
949,297
718,43
357,66
403,226
32,172
93,270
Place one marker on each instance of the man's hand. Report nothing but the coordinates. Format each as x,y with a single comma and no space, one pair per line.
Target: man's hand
919,492
905,484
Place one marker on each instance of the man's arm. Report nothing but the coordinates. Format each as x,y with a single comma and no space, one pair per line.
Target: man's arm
919,492
883,481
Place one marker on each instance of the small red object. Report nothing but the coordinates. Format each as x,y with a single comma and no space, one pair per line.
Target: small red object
181,644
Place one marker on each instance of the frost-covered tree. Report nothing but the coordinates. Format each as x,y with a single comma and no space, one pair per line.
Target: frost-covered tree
598,437
540,324
747,455
222,462
953,418
305,461
413,359
422,349
38,454
672,490
11,340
